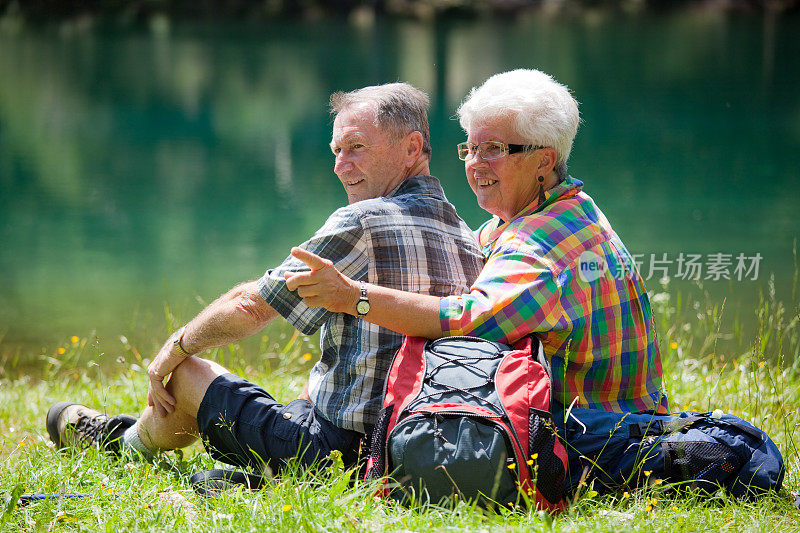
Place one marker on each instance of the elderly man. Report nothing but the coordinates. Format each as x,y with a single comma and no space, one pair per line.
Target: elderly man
398,230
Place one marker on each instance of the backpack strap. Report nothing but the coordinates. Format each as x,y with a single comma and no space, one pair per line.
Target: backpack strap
531,344
210,483
657,426
746,428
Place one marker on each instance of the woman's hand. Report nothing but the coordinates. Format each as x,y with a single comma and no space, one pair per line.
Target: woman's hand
323,286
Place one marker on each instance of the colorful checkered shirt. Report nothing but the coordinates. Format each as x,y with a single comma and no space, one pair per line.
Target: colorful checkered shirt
561,272
413,240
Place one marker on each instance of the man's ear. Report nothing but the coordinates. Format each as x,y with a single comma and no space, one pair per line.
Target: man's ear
413,148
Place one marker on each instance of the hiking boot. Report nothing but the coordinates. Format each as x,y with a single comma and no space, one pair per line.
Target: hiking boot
73,425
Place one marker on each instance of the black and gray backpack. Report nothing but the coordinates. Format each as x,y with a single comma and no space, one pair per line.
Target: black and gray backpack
469,418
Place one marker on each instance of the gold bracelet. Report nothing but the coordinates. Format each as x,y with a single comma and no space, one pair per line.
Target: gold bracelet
177,346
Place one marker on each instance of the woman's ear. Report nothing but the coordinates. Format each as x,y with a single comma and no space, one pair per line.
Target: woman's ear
547,163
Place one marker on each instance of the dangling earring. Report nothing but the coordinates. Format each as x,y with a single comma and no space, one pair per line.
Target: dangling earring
541,190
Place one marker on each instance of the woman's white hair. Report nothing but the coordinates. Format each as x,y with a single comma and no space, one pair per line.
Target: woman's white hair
543,111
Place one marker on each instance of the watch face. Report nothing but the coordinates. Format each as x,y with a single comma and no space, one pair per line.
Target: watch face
362,307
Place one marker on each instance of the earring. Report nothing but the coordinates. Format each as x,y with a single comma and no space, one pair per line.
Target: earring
541,190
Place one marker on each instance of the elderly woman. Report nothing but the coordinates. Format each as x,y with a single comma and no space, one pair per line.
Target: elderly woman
554,266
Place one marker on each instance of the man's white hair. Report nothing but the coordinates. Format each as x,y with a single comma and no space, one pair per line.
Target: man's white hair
399,107
542,110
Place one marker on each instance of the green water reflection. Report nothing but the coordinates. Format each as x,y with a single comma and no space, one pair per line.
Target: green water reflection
138,168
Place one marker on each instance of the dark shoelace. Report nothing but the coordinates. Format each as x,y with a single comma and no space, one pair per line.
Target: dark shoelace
90,429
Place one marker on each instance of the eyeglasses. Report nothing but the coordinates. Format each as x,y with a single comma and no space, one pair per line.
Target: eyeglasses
488,150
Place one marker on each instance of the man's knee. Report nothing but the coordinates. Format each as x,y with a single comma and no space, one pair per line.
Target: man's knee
190,381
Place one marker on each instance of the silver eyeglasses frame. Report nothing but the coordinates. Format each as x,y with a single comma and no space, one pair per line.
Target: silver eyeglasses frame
490,150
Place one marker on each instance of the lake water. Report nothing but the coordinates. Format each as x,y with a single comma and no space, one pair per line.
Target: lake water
148,166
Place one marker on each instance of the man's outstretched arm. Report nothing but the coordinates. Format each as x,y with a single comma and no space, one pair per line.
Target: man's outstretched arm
239,313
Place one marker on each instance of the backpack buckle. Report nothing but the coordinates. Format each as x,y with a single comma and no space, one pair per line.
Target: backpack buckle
646,429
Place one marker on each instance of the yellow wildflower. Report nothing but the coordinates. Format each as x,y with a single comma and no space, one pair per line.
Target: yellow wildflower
74,339
648,508
61,351
286,507
647,473
512,466
529,461
535,456
659,481
761,364
674,345
626,494
654,502
307,356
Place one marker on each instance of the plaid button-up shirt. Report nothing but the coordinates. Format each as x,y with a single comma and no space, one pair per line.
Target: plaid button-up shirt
561,272
412,240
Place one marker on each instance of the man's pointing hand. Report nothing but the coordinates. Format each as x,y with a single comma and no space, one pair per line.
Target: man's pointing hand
323,286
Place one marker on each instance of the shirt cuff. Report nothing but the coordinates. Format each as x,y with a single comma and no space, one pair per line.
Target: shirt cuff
451,310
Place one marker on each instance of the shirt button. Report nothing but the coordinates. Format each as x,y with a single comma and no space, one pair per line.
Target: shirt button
287,416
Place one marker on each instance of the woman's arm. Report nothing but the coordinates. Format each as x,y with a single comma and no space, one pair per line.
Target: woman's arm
404,312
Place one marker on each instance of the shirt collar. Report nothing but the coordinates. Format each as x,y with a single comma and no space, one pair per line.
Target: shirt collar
421,184
562,191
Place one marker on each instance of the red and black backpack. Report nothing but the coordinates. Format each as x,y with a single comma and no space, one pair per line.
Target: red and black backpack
468,418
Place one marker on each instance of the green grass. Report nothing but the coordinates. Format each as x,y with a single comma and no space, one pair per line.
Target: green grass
706,366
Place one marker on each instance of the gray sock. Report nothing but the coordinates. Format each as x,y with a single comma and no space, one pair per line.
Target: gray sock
132,442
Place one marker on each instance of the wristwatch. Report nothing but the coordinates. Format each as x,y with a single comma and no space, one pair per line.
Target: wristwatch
362,307
176,344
